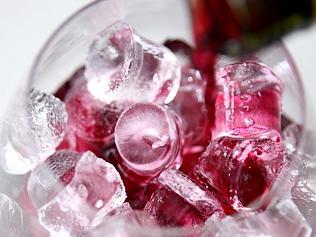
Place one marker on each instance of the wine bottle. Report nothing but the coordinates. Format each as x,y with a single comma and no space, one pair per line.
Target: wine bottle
235,27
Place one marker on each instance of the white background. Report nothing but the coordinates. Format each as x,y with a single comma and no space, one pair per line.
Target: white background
26,24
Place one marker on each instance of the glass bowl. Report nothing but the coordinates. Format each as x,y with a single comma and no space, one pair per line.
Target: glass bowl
158,20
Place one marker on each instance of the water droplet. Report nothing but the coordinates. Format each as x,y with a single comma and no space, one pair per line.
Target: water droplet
249,122
99,204
250,84
244,108
244,96
246,84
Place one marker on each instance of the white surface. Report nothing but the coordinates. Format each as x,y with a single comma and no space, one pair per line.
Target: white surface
26,24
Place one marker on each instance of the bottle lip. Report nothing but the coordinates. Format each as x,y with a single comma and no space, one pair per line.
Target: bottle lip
314,10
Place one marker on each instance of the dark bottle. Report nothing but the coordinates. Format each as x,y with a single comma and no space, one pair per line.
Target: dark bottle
235,27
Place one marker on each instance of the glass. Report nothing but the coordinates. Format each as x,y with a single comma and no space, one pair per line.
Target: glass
158,20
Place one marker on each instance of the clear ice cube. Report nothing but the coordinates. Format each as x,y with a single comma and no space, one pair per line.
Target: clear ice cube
304,189
124,67
51,177
190,105
11,217
242,169
248,99
291,137
304,195
34,133
170,209
73,192
147,138
91,120
282,220
203,201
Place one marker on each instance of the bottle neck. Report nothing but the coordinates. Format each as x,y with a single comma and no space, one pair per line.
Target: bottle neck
235,27
257,15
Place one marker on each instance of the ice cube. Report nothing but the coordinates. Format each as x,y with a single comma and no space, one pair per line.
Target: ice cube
92,120
304,188
73,192
11,217
34,133
124,67
190,105
128,224
203,201
147,138
282,220
136,216
169,209
242,169
304,195
51,177
248,99
121,210
291,137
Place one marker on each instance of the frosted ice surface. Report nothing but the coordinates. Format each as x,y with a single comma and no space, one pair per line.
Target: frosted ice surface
124,67
304,189
78,193
125,208
48,121
282,220
128,224
147,138
11,217
33,133
304,195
